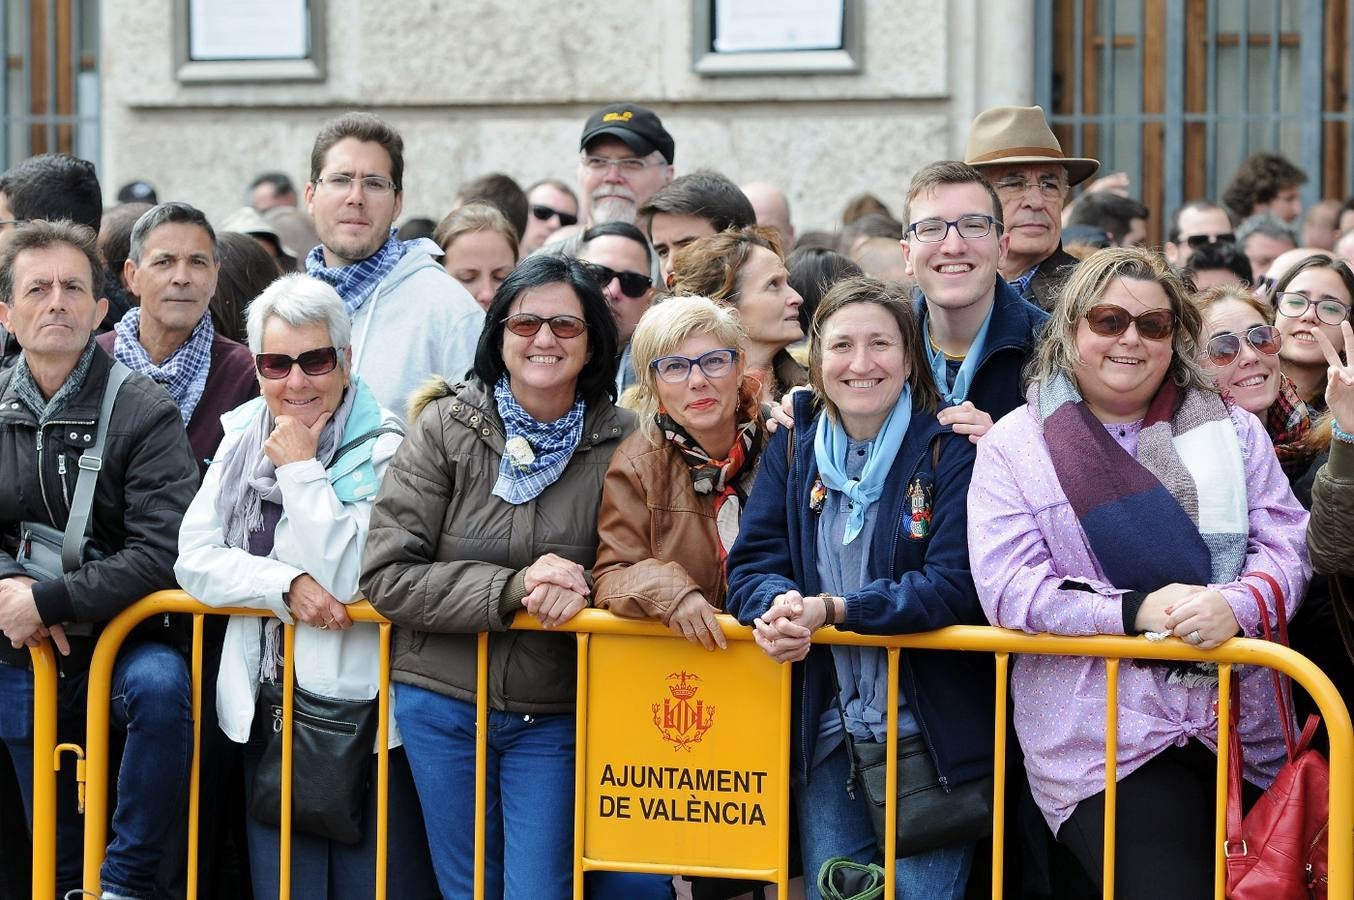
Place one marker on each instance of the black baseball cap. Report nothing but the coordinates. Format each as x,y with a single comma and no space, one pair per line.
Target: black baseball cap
639,127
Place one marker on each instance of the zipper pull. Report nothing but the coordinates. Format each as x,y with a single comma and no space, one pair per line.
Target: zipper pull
61,464
277,720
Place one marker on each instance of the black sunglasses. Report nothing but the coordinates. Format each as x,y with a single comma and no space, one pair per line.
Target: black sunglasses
544,213
320,361
633,284
1197,241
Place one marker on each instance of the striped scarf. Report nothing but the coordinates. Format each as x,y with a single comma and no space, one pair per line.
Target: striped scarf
1178,512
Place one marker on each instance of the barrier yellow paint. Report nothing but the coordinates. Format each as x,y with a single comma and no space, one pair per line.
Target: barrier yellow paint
609,651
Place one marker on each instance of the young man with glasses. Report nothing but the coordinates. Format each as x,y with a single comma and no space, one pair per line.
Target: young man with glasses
1015,148
410,318
977,332
1197,224
619,260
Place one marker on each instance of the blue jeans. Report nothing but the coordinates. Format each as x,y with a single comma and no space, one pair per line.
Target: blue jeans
152,707
529,806
16,728
833,823
322,869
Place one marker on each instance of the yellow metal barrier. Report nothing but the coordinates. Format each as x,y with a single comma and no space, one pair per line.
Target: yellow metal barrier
1000,642
44,777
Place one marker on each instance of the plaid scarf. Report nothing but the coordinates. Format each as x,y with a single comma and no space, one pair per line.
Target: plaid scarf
535,453
728,479
356,283
184,374
27,389
1288,421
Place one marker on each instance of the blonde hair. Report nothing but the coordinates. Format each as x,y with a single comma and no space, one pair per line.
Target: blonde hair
475,217
661,330
1210,297
1084,288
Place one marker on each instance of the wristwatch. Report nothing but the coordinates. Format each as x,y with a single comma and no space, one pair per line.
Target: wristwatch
829,609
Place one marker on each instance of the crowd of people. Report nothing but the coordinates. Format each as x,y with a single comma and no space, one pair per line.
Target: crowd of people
650,394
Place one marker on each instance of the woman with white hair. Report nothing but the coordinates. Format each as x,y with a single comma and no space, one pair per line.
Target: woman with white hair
279,525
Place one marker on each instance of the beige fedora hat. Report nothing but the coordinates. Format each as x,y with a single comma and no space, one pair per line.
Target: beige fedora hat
1019,135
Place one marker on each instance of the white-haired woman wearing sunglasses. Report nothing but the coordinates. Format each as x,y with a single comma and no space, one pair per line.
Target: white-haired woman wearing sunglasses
1127,498
279,524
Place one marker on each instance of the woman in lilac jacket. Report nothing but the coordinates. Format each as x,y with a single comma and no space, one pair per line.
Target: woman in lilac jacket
1126,498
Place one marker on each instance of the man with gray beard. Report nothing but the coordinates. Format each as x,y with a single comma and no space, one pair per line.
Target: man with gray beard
625,155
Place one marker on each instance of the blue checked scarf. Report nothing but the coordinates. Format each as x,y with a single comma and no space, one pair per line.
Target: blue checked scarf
184,374
552,443
356,283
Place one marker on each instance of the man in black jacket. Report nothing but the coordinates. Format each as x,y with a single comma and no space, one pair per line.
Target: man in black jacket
51,285
1017,151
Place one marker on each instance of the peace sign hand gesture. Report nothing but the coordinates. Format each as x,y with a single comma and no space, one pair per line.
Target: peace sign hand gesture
1340,376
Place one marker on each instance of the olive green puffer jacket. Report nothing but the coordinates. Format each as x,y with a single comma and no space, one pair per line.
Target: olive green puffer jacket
444,557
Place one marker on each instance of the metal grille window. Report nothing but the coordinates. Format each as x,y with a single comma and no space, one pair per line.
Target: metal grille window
49,83
1178,92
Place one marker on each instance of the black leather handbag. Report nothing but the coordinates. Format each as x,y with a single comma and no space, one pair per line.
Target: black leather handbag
929,816
331,746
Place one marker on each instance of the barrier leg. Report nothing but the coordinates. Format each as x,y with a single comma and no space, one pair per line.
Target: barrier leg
45,764
195,772
1003,661
1111,769
481,755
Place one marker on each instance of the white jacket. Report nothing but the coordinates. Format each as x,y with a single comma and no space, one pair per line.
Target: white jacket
317,535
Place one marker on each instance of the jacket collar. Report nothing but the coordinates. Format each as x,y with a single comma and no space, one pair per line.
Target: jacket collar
473,406
1016,323
82,407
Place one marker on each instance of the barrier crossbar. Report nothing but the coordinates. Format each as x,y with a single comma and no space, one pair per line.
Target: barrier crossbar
999,642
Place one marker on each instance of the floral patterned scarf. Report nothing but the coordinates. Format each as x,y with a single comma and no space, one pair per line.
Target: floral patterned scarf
728,479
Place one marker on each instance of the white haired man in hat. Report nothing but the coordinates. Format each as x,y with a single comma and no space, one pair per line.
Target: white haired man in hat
1017,151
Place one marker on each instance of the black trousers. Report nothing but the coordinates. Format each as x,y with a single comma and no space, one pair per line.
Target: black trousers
1164,829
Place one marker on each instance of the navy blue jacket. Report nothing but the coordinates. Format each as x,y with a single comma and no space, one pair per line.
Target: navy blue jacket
919,585
1011,338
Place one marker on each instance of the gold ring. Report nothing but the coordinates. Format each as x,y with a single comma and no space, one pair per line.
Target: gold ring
323,626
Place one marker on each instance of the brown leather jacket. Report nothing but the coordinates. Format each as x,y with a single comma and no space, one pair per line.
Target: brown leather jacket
651,518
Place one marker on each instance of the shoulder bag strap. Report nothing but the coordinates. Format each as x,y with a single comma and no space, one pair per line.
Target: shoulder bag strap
362,439
91,461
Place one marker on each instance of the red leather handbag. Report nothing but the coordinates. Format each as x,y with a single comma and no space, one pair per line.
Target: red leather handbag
1278,851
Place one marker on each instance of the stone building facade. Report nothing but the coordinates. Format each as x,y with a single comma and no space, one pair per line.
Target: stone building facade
486,85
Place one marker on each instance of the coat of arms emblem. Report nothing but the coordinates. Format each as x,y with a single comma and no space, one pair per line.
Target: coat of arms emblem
681,718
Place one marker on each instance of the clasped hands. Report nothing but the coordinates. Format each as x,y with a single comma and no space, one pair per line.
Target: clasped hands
1191,612
785,631
557,589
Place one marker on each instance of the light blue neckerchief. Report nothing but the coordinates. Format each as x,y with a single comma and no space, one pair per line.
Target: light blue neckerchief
829,448
957,393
